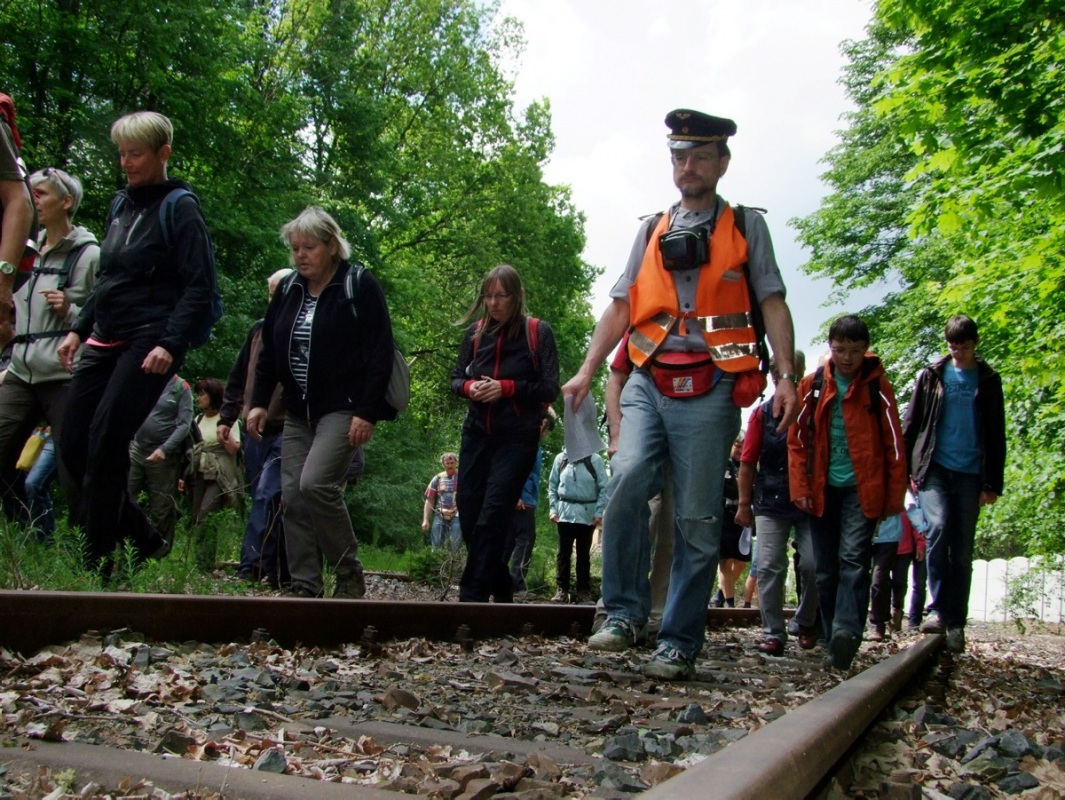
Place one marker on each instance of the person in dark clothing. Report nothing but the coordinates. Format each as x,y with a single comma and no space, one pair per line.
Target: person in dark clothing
508,369
152,296
332,355
262,553
955,433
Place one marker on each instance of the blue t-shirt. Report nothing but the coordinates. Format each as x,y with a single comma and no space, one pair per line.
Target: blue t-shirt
957,446
840,467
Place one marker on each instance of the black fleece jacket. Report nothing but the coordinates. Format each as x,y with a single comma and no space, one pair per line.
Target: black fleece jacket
145,288
350,355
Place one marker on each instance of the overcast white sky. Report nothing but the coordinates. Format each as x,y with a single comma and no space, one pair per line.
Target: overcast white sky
612,70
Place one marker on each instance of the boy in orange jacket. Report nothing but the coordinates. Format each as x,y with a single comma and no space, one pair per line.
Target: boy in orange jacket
847,468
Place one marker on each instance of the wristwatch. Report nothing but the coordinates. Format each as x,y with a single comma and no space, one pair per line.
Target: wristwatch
789,376
7,268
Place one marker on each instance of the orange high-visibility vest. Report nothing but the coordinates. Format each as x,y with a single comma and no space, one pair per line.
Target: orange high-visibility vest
722,301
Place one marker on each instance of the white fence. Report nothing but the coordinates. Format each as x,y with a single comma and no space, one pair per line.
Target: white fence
990,586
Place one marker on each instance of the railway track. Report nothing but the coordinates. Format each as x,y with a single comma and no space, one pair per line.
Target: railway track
422,697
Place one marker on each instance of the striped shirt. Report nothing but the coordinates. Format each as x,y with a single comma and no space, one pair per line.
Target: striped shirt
299,351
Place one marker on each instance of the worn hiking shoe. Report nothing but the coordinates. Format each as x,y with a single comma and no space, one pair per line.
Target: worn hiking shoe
955,640
669,664
841,649
616,635
302,592
934,624
351,585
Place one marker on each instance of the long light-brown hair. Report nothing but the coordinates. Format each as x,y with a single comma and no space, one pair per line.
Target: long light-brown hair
510,280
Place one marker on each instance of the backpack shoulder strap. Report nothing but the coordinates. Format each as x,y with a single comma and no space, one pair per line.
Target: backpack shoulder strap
532,338
815,393
352,282
68,264
166,213
286,283
740,219
117,202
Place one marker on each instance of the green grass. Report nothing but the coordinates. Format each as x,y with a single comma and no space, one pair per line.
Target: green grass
26,563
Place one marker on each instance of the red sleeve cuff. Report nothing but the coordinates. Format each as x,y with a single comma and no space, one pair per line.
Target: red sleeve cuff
467,386
507,387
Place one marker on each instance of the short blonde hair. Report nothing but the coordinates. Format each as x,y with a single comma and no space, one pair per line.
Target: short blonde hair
313,221
149,128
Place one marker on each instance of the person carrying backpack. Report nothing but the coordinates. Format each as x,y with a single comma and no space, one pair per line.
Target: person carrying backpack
36,386
507,380
156,297
847,470
577,493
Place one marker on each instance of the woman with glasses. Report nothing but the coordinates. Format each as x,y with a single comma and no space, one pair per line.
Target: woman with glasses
152,299
508,370
36,386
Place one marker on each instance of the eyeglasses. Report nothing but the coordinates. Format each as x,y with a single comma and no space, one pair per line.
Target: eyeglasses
56,179
499,298
843,352
679,158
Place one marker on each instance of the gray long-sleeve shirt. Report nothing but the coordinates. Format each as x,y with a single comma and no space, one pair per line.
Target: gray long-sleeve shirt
168,424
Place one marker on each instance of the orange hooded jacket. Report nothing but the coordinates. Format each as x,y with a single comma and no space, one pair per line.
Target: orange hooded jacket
876,448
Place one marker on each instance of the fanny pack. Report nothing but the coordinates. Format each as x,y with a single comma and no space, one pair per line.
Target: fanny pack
684,375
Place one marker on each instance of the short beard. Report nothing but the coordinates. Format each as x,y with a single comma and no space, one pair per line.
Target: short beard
700,193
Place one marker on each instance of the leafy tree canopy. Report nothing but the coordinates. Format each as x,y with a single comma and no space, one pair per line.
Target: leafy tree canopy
947,184
394,115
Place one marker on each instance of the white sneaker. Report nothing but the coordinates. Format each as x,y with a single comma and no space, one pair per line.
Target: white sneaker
616,635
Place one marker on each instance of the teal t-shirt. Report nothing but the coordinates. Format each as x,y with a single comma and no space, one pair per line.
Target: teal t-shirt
840,467
957,446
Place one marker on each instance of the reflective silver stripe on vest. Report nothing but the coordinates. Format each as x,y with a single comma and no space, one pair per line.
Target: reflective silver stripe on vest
644,344
726,352
724,322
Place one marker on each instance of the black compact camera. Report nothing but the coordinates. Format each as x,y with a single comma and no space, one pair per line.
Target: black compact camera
684,248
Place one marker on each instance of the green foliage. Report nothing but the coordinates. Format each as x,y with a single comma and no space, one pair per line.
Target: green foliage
394,116
947,184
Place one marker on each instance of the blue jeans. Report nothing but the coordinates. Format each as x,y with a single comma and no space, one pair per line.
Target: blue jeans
263,550
446,529
843,551
951,504
771,571
694,436
39,492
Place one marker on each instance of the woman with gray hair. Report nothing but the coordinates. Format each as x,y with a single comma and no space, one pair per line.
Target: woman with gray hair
332,355
152,299
36,386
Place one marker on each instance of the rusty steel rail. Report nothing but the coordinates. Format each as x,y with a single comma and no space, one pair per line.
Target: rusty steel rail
30,620
791,756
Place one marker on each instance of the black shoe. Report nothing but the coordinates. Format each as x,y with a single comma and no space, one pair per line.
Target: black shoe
301,592
841,650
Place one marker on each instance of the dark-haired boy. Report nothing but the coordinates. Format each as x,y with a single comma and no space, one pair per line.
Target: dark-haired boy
955,433
847,469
